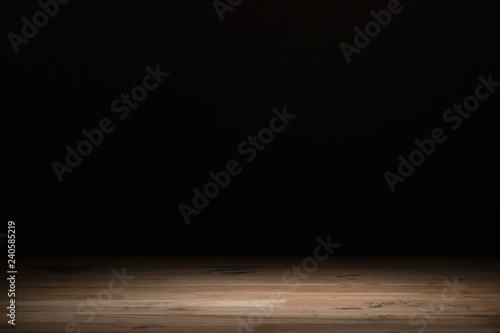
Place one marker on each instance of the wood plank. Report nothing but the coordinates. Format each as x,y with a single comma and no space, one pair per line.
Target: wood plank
343,294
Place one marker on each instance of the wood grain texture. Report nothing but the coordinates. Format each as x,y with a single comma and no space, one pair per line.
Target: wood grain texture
343,294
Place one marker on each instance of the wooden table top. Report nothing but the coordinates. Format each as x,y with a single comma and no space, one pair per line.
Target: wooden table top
341,294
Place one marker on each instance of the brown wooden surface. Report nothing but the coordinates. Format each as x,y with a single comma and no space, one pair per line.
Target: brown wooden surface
212,294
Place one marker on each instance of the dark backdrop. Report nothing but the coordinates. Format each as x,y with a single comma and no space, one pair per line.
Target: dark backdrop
323,175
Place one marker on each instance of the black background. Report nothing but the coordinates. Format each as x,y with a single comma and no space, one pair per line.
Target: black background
322,176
